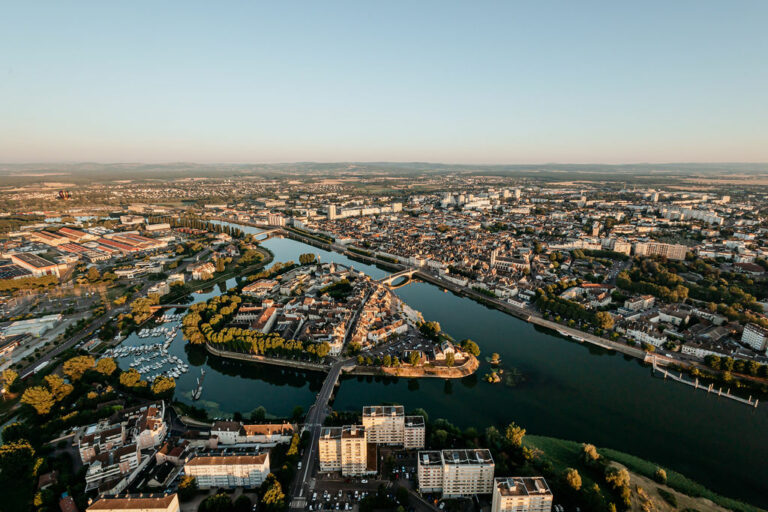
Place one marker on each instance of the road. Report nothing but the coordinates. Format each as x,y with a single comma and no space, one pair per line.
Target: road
313,424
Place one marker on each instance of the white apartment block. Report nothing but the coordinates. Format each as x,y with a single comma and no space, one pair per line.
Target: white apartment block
521,494
669,251
329,449
755,336
354,451
345,449
456,473
414,432
228,471
388,424
385,424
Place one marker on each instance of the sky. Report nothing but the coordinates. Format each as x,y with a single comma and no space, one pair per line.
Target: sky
454,82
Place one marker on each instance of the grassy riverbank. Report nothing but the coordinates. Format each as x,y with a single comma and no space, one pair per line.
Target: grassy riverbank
690,495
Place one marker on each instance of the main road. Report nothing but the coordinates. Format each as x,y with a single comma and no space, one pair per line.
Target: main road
313,424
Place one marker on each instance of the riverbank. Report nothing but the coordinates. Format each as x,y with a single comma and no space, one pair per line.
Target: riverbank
254,358
467,368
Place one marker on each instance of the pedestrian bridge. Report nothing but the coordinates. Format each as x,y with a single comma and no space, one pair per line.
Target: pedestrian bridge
394,277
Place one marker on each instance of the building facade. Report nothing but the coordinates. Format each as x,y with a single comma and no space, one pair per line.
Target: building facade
521,494
229,471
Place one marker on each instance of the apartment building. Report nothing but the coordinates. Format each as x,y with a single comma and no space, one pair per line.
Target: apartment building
354,451
521,494
755,336
669,251
228,470
346,449
456,473
385,424
107,469
414,432
143,503
329,449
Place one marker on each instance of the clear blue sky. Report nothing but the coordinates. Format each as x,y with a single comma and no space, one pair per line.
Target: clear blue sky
467,82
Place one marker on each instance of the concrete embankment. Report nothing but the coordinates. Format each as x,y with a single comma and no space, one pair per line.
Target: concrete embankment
469,367
253,358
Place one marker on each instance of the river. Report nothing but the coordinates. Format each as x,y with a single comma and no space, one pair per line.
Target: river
568,390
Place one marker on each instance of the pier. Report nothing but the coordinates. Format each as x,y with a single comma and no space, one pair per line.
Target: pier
710,389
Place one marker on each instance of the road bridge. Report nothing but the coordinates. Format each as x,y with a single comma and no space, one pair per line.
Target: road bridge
394,277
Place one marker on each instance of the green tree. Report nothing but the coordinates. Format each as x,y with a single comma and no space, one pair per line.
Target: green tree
515,434
298,412
660,475
387,361
259,414
293,449
39,398
307,258
573,478
17,460
220,502
106,366
470,347
77,366
414,358
242,504
449,359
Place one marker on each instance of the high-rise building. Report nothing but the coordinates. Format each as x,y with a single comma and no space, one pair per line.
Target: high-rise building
456,472
345,449
332,215
385,424
755,337
414,432
521,494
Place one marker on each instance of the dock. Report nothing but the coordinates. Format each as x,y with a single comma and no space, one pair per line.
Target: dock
709,389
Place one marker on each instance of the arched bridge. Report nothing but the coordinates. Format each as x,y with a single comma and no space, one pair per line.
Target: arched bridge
394,277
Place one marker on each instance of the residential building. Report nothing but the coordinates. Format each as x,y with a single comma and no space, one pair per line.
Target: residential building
228,470
521,494
464,472
161,503
755,336
385,424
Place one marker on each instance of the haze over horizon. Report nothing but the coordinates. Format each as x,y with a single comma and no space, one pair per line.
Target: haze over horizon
554,82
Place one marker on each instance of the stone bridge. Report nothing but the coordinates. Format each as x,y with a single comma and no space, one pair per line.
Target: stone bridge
394,277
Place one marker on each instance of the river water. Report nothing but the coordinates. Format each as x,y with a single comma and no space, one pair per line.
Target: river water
565,389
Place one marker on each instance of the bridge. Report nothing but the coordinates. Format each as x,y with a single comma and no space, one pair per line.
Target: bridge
266,234
394,277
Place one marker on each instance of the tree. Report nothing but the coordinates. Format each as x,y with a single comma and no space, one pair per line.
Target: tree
604,320
414,358
77,366
573,478
8,377
307,258
660,475
590,453
618,477
471,347
495,358
187,488
130,378
93,274
242,504
274,498
449,359
17,460
58,386
293,449
220,502
298,412
259,414
515,434
106,366
39,398
162,385
387,361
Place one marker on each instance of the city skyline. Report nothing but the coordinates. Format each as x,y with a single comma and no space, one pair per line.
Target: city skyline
499,84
